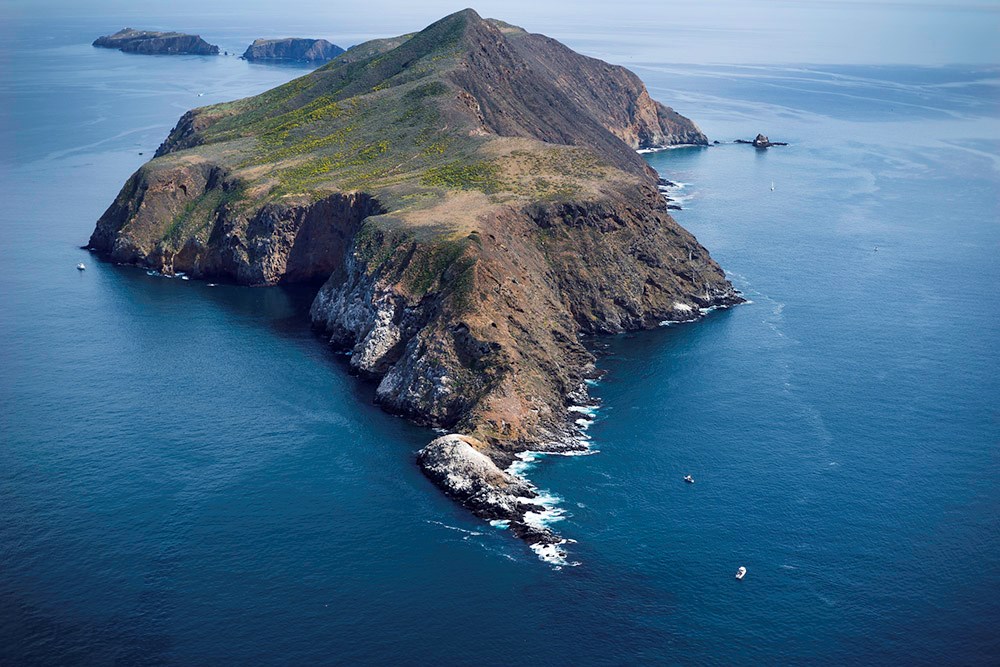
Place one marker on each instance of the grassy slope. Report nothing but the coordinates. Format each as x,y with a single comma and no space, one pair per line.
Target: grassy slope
385,119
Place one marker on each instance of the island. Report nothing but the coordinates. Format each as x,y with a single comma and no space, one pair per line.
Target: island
292,48
472,198
148,42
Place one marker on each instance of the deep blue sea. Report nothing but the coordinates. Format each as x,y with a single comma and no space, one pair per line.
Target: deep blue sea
189,476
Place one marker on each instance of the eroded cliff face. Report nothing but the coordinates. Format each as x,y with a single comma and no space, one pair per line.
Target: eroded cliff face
472,197
491,349
183,219
512,301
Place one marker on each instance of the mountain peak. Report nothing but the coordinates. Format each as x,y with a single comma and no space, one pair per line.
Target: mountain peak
450,30
468,14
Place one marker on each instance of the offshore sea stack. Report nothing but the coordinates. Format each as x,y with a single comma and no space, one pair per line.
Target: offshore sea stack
472,196
292,48
149,42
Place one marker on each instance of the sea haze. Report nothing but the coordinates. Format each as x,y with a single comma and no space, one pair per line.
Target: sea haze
188,475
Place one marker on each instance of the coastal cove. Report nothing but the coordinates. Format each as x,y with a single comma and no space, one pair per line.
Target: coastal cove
190,474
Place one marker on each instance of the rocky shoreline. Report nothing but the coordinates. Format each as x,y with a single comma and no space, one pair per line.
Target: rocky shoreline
459,466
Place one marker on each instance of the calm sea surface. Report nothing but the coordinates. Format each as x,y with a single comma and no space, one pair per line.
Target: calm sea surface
189,476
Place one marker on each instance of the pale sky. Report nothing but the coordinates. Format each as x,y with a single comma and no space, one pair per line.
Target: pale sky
920,32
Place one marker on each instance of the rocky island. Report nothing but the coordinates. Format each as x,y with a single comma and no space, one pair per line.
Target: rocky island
148,42
761,141
472,196
291,48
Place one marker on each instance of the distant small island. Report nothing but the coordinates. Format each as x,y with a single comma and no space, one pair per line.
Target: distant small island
292,48
149,42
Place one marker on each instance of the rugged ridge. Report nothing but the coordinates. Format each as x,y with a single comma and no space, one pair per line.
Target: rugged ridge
473,197
149,42
292,48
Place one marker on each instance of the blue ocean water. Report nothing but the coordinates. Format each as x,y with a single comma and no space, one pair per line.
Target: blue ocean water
189,476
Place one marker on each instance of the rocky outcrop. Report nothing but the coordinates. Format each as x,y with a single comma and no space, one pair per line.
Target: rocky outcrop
761,141
472,196
459,466
149,42
292,48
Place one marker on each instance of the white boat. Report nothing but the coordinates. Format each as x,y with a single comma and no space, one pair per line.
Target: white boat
81,267
772,186
742,572
689,479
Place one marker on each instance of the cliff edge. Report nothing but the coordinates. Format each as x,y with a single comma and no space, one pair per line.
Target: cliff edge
472,196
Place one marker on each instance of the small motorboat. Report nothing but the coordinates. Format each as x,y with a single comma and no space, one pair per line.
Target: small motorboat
742,572
772,186
689,479
81,267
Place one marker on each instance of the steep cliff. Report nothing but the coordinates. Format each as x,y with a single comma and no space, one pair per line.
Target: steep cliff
292,48
473,196
148,42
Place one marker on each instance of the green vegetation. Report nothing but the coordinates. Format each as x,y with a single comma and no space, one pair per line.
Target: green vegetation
387,119
199,214
426,268
432,89
375,243
174,229
345,127
482,176
302,176
462,281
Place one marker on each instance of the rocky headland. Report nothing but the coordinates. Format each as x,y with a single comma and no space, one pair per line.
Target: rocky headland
472,196
148,42
292,48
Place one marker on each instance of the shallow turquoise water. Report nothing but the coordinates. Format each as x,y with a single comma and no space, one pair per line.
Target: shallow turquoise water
187,475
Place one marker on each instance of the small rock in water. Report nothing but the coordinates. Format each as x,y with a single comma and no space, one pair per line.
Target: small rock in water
761,141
